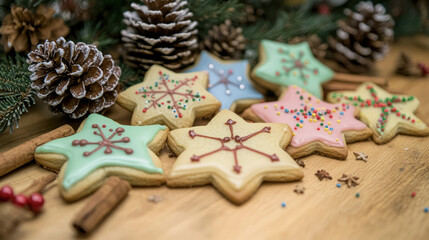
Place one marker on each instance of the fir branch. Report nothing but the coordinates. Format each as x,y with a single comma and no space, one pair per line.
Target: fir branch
214,12
93,33
16,95
287,24
31,4
129,76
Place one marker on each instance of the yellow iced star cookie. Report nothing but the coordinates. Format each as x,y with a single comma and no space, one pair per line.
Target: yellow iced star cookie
386,114
169,98
233,155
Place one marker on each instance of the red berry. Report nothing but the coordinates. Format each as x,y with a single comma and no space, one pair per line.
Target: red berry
36,201
6,193
20,200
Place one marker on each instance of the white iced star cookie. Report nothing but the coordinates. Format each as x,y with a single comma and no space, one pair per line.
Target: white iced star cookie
169,98
233,155
386,114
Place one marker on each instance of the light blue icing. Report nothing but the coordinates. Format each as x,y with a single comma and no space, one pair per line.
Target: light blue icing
239,86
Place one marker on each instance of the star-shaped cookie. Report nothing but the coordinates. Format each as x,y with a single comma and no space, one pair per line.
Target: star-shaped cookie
229,81
317,126
386,114
233,155
102,148
281,65
169,98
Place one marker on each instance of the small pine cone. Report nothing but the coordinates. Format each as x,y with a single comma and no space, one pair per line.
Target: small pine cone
225,41
363,37
73,78
160,32
250,15
317,46
23,29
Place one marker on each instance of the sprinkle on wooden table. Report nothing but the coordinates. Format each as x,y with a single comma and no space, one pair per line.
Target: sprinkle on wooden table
154,198
322,174
283,204
299,189
361,156
426,209
357,195
349,179
338,185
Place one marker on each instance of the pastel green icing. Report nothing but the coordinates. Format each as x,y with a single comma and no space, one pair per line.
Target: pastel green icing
275,63
80,166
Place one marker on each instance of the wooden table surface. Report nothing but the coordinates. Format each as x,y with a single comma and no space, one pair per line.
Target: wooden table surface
384,210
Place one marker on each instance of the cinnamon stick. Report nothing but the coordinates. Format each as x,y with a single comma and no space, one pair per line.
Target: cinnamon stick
11,216
24,153
100,204
353,78
39,184
339,86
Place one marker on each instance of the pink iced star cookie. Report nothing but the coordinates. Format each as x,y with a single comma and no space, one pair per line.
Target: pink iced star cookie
318,127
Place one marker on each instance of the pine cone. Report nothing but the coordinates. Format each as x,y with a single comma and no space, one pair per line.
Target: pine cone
225,41
317,46
363,37
73,78
250,15
23,29
160,32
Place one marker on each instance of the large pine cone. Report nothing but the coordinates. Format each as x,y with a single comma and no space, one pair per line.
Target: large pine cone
73,78
225,41
363,37
23,29
160,32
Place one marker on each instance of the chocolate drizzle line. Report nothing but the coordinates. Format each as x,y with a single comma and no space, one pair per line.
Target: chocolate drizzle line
237,139
105,142
169,92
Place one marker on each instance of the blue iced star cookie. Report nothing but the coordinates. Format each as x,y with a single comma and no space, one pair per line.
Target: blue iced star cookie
229,81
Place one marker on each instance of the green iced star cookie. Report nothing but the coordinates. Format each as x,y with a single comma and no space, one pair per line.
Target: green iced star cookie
103,148
282,65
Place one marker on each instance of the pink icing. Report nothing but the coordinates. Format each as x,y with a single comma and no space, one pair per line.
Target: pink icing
336,118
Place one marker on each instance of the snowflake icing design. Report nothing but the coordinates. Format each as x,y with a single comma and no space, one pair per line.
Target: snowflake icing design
105,142
239,140
170,88
224,79
296,66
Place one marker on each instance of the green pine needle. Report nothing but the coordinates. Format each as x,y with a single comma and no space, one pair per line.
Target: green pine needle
16,95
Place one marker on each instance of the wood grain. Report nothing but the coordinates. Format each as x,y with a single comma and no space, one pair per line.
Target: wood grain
384,210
